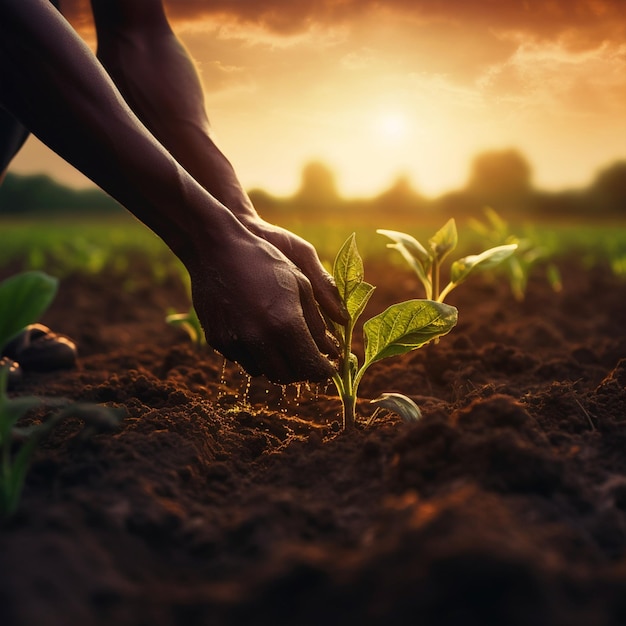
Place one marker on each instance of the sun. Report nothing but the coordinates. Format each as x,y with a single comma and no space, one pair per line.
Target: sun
392,126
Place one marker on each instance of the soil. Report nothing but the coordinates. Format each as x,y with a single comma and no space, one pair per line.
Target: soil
223,501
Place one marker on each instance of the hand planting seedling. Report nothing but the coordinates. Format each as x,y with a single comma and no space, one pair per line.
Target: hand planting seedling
427,260
519,265
18,444
397,330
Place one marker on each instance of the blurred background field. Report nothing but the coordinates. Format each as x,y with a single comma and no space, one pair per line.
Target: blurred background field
46,225
63,244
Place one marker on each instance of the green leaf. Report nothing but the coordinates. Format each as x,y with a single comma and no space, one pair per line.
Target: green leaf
518,278
359,299
414,253
462,268
15,408
444,240
497,223
348,273
348,269
97,416
190,323
406,326
554,277
400,404
23,299
408,242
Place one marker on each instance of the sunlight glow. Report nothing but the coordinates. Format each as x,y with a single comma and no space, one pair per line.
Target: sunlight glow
392,126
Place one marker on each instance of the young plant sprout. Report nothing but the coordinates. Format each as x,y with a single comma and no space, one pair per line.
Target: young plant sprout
190,323
19,443
518,266
427,260
397,330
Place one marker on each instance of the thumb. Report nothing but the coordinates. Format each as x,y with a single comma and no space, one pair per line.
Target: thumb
326,294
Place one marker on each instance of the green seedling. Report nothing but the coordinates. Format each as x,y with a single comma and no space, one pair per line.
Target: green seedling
397,330
427,260
19,443
23,299
518,266
190,323
396,403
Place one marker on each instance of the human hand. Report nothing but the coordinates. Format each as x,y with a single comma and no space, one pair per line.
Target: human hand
258,309
305,257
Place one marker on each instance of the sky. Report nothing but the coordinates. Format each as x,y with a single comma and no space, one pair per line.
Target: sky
401,87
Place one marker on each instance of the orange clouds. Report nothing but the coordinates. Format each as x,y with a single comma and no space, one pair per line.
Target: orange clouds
302,79
580,23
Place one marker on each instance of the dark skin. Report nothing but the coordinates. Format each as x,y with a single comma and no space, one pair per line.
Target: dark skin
139,130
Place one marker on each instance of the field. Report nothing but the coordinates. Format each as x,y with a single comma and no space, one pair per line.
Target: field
224,500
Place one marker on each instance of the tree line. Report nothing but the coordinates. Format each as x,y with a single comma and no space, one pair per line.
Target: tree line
501,179
26,195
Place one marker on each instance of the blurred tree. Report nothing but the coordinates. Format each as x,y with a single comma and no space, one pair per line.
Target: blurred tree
501,178
318,187
608,190
401,197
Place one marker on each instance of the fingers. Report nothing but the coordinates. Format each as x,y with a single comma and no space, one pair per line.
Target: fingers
267,319
324,288
326,294
284,339
314,321
304,256
291,357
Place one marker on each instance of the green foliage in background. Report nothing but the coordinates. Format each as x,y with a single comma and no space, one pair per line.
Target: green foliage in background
427,260
496,231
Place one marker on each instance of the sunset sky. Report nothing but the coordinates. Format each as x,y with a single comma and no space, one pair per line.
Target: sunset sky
417,87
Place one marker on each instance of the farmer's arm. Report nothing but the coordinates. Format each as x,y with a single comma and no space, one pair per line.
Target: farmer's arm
160,83
256,307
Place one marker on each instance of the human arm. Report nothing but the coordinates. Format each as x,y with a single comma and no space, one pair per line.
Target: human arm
256,307
159,81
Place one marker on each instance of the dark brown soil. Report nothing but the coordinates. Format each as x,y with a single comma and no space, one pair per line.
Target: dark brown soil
219,503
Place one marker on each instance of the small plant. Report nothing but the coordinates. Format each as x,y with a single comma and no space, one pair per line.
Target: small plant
190,323
23,299
427,260
18,444
518,266
397,330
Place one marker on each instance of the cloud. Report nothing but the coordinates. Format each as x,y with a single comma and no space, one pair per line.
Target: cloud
581,83
580,24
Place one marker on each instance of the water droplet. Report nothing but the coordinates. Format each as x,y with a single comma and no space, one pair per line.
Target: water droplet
245,400
222,383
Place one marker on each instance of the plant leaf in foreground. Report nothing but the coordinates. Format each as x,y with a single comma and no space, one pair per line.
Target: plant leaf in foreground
406,326
354,291
348,268
399,404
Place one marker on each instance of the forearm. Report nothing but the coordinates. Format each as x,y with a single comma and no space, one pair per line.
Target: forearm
57,89
159,81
